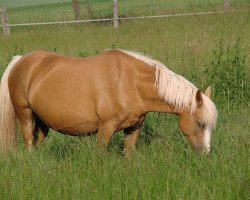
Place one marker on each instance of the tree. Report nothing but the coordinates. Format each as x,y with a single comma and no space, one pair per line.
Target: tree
76,8
226,4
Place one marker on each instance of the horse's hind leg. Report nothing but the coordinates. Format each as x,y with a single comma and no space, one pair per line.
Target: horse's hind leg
32,133
40,131
25,117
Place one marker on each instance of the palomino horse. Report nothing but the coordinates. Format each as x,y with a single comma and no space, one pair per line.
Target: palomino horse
100,94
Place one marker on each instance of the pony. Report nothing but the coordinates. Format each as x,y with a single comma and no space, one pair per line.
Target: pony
100,94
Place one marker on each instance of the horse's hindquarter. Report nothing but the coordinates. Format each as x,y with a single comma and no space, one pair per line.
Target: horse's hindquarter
74,95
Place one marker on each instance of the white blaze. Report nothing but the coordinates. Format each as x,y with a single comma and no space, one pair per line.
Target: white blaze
207,138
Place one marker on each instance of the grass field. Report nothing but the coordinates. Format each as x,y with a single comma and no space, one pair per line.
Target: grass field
163,166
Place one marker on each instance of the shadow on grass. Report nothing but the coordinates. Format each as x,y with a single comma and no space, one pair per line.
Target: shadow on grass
62,146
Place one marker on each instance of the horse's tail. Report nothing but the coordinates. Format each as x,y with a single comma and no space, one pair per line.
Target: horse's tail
8,136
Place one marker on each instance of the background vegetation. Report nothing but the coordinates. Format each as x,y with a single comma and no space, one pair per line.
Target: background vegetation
57,10
209,49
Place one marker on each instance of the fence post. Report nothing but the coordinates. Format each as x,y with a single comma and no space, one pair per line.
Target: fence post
76,8
115,13
226,4
5,21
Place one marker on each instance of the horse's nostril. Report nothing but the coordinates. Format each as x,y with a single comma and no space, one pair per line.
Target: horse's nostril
200,149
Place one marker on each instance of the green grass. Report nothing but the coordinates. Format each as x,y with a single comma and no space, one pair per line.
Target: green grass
73,168
163,166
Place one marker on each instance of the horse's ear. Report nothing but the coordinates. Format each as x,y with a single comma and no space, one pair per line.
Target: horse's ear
198,98
208,92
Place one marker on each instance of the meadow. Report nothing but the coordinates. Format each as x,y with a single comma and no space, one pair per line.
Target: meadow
208,49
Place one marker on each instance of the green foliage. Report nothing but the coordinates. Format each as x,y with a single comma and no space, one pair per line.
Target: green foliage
83,54
226,72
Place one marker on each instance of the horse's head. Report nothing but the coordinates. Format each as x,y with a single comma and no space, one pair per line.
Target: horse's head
197,125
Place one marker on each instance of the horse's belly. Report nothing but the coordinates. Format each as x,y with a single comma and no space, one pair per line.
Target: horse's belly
82,128
68,121
72,125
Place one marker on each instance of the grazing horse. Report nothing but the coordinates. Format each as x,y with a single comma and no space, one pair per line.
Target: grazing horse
100,94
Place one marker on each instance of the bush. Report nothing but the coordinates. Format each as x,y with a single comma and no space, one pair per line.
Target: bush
226,72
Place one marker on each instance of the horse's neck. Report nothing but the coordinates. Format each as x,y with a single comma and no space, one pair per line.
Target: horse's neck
151,100
158,105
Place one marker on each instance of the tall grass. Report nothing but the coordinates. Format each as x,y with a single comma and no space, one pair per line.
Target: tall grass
227,72
163,166
72,168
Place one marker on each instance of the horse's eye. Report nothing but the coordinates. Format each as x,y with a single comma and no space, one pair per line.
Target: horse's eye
201,125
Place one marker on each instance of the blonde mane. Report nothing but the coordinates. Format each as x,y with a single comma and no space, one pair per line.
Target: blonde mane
173,88
176,90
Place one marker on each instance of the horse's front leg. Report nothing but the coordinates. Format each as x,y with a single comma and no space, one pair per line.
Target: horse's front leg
130,138
105,132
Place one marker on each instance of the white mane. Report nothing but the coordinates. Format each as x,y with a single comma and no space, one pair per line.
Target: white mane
173,88
176,90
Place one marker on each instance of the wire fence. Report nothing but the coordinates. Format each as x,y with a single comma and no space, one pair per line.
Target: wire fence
123,18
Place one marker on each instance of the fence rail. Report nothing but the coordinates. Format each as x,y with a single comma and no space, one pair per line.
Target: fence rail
123,18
